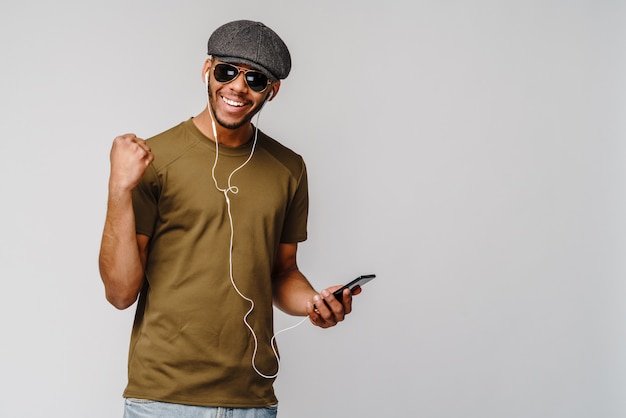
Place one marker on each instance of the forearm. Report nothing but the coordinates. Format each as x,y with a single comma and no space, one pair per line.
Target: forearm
292,291
294,295
120,261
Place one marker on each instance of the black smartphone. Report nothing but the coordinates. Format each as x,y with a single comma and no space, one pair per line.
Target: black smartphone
359,281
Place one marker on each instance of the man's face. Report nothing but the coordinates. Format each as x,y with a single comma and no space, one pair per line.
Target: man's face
234,102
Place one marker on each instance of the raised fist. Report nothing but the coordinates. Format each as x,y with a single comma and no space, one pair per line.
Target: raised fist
130,156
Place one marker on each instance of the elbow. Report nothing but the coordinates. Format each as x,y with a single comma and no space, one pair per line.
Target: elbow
120,294
118,289
121,301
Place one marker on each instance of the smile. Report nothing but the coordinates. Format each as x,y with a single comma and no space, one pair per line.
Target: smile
232,102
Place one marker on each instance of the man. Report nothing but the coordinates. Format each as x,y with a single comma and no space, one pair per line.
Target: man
203,224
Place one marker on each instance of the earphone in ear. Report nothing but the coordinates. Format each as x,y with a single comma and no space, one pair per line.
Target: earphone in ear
206,78
269,96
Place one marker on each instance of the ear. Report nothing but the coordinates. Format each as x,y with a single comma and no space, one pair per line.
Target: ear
273,91
205,70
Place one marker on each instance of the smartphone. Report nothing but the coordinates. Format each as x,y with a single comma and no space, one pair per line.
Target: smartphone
359,281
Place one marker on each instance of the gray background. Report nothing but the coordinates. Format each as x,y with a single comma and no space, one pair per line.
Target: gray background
470,153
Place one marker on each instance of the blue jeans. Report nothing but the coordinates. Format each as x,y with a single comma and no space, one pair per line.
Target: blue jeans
140,408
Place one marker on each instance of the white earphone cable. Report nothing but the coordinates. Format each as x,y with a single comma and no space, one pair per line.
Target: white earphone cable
234,190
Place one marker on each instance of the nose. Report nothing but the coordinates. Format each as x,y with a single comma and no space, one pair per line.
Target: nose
239,82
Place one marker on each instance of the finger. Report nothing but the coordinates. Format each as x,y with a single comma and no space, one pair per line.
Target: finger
139,145
315,317
141,142
324,311
125,138
124,143
336,306
347,301
147,157
311,310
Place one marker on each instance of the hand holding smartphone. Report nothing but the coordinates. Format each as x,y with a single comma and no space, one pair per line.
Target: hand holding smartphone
359,281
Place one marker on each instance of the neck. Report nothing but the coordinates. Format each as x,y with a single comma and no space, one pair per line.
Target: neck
231,138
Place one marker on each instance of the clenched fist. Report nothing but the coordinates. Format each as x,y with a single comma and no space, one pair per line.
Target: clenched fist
130,156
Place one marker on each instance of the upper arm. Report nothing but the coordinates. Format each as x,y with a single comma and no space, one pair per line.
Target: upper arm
291,290
285,260
143,242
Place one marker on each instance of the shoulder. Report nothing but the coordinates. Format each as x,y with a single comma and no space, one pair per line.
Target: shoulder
283,155
169,145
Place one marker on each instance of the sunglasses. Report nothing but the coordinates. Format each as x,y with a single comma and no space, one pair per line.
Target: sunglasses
225,73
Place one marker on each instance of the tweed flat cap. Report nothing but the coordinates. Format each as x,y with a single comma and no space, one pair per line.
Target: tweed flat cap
251,43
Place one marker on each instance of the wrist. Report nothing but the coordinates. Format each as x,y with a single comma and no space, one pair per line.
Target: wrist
120,188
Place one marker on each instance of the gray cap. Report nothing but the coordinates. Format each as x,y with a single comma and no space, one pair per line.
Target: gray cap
251,43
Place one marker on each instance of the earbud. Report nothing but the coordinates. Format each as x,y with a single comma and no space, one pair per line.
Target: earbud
206,78
269,96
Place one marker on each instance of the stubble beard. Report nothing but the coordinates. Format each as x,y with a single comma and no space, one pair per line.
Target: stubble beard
234,125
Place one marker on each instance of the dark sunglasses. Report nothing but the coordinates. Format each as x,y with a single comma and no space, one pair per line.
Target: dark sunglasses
225,73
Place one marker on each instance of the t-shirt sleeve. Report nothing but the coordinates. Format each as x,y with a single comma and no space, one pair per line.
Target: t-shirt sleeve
145,198
295,226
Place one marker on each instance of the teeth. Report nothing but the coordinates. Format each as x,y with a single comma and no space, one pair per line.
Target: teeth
232,102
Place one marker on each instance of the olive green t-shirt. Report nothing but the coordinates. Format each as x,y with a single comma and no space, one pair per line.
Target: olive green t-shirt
189,342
